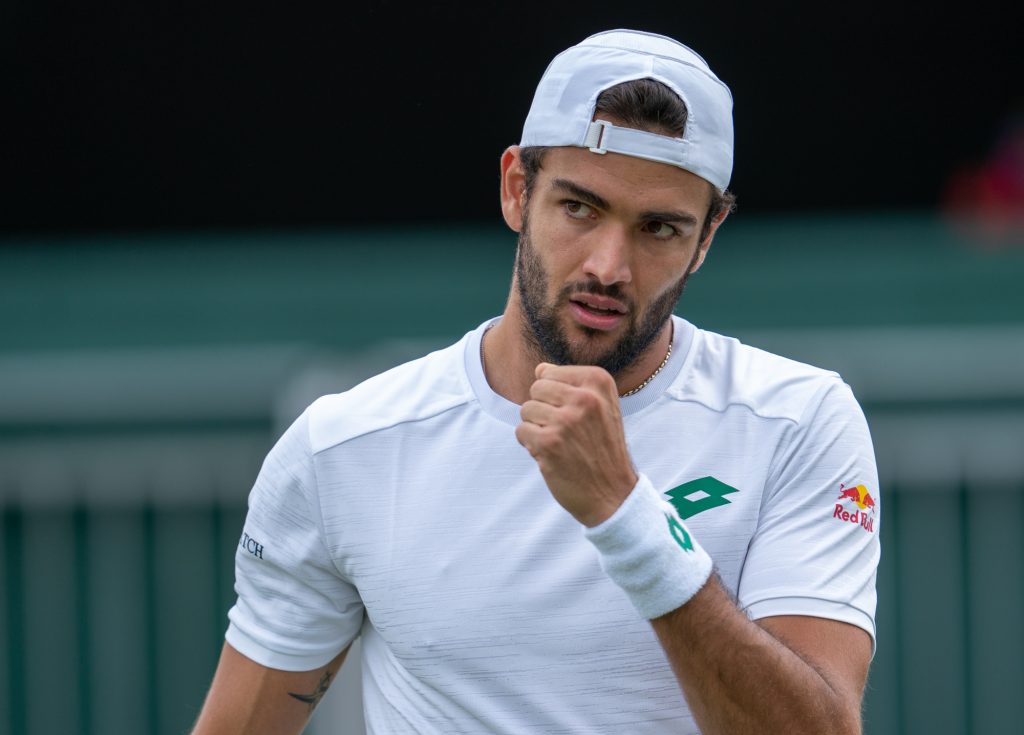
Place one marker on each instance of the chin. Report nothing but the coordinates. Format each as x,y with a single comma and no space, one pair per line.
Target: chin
593,346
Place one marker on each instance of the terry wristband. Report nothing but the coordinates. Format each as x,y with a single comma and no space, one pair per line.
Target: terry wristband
649,553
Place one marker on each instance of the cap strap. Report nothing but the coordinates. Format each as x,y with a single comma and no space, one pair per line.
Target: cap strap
603,137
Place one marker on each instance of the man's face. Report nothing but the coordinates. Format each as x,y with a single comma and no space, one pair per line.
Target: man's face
605,248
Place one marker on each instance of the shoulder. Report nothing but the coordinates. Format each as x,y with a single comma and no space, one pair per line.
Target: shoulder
413,391
722,372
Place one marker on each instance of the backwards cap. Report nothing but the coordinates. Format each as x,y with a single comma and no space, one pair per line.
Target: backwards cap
562,113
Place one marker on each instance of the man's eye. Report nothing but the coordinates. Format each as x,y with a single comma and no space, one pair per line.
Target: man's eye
661,230
578,210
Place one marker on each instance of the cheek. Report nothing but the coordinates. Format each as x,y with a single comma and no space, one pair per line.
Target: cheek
655,286
559,250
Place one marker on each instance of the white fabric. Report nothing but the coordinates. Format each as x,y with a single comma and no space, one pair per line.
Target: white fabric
405,510
563,105
647,550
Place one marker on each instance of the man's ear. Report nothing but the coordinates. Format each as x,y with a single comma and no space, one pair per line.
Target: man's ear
702,250
513,188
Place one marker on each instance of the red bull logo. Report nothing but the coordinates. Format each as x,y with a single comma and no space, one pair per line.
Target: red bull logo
865,515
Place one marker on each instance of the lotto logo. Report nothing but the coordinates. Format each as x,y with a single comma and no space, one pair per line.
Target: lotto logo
697,496
679,533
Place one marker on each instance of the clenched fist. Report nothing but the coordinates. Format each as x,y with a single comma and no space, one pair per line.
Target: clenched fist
572,427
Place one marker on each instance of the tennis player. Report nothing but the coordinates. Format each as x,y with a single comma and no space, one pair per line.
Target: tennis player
588,515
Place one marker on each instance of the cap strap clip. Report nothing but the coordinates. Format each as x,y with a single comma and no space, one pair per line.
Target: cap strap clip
595,136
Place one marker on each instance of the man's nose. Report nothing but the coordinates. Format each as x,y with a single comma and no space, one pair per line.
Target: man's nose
608,257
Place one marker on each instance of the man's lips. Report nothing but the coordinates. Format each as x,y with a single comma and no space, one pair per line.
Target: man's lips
597,312
600,303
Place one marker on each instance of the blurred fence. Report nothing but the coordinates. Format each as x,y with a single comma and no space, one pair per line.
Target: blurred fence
142,382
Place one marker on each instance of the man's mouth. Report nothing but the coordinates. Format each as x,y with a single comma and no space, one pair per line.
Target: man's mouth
597,312
599,304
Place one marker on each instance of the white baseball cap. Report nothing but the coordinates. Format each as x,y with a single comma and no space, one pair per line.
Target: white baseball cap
562,113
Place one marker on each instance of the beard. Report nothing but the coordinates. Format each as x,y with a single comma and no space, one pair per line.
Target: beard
544,331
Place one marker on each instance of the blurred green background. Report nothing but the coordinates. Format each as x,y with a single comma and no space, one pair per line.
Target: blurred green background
143,378
212,213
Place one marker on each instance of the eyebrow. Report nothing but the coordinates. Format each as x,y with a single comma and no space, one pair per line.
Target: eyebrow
584,195
588,197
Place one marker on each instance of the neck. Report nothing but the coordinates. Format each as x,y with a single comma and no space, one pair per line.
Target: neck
510,359
649,378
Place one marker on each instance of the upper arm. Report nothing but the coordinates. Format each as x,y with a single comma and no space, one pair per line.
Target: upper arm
249,698
294,612
815,550
295,609
809,576
839,652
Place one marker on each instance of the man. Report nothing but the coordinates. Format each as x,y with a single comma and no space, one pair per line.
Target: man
587,516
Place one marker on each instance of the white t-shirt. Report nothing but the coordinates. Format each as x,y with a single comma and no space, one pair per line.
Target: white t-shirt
405,510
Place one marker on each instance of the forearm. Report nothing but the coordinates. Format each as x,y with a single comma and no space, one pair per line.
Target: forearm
251,699
738,678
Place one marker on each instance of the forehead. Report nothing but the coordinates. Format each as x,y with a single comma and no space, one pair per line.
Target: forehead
627,182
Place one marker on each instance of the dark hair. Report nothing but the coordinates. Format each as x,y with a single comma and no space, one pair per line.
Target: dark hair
644,104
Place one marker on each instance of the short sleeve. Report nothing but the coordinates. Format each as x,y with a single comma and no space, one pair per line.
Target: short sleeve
816,549
294,610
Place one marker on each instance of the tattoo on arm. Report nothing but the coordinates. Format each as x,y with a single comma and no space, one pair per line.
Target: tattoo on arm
321,689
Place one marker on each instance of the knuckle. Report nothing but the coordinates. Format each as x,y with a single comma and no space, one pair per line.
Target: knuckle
604,379
577,414
551,441
588,400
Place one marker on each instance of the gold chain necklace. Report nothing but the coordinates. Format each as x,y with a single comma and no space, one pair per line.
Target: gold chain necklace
652,375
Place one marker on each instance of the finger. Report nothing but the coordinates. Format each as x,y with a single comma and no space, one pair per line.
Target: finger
552,392
528,435
577,375
538,413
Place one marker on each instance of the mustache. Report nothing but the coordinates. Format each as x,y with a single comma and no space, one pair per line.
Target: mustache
614,291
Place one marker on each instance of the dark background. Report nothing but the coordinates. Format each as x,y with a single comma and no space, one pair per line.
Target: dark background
121,115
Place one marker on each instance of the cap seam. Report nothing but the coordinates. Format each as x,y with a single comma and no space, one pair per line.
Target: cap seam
706,72
649,34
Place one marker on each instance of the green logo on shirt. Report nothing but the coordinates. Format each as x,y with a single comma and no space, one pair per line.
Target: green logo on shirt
699,495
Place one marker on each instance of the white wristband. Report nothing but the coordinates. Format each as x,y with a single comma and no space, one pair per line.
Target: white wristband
649,553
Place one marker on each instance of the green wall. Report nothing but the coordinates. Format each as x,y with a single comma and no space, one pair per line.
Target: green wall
143,378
